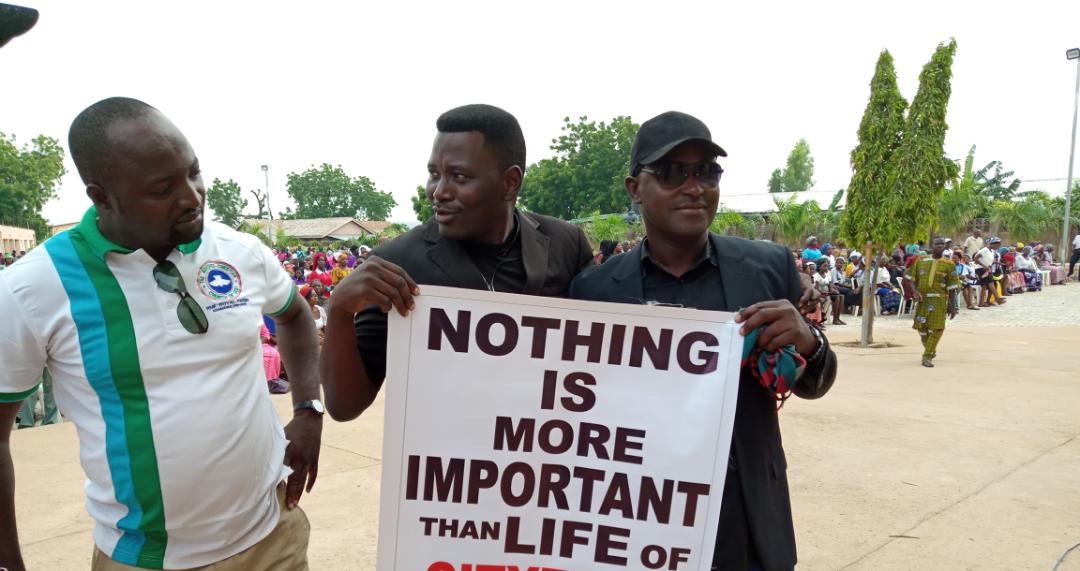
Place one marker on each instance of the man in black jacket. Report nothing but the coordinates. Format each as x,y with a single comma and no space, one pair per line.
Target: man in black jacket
675,178
477,240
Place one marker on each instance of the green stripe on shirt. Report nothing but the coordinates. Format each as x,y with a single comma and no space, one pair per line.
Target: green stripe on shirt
127,373
16,397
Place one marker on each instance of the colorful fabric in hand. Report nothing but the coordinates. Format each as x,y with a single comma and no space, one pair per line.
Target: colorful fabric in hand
777,371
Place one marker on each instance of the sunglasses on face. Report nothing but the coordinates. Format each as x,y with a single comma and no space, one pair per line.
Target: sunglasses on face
189,311
673,175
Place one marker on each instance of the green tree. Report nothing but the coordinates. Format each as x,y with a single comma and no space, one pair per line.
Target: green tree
829,226
327,192
587,172
918,169
996,185
29,178
794,221
1029,217
607,227
421,205
225,199
900,164
798,174
776,181
394,230
259,231
1074,209
725,221
963,200
868,214
731,223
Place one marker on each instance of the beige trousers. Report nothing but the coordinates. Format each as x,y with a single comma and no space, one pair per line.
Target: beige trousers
285,549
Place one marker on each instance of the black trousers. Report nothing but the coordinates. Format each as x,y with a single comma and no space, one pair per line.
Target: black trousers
1073,260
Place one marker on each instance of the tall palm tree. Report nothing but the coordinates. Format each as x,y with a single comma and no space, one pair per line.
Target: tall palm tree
1028,218
963,200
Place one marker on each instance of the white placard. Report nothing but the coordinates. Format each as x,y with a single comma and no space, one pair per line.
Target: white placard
547,434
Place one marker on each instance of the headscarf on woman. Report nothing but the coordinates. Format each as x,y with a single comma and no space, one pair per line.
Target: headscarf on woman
340,270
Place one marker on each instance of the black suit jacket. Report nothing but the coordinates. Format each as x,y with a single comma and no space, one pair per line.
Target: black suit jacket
756,505
552,251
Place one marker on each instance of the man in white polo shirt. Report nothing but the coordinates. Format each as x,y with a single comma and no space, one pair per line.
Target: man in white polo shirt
148,320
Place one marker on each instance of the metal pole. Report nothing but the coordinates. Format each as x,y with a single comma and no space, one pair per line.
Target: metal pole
1068,185
269,213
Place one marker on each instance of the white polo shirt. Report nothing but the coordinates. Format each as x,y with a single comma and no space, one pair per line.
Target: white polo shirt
179,440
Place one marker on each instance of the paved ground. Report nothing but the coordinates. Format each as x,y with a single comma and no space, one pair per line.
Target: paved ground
971,465
1055,306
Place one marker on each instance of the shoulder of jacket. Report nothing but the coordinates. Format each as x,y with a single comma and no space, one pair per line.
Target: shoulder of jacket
403,246
551,225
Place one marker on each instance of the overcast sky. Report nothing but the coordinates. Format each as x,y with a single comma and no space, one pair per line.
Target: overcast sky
360,83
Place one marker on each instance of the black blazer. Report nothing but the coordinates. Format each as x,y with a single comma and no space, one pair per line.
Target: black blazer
552,251
756,504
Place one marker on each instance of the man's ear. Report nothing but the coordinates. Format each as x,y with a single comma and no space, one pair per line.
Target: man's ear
512,178
632,189
103,201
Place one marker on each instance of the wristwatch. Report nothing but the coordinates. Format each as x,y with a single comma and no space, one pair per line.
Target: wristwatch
316,405
820,351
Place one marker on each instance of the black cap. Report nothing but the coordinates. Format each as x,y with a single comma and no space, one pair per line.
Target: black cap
15,21
659,135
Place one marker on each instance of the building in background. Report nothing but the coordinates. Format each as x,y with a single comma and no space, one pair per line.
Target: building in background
15,239
54,230
322,229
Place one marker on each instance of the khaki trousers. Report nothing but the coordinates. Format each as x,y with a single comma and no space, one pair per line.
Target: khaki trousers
285,549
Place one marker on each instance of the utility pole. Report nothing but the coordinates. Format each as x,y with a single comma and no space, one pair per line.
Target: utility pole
1070,54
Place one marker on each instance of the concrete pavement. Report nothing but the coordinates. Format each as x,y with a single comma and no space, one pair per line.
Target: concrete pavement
974,464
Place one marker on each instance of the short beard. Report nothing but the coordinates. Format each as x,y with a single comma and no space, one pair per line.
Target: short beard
178,238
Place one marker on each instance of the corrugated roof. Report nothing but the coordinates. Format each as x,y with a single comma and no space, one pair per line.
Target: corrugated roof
323,228
375,226
314,228
763,201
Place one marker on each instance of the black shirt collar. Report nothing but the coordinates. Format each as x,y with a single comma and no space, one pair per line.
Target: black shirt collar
708,254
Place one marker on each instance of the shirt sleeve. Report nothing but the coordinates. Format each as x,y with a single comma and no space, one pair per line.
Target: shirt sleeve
371,327
280,289
22,352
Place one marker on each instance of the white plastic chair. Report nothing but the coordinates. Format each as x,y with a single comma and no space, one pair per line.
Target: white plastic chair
905,302
1044,275
877,304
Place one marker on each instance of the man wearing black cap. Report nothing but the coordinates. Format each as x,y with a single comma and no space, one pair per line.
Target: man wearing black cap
675,178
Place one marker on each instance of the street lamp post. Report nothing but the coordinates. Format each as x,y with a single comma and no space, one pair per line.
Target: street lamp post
1073,54
269,215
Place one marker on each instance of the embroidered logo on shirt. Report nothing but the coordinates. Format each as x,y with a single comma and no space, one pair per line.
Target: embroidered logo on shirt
219,281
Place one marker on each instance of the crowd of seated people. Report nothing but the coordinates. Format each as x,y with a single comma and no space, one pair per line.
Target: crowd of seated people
988,273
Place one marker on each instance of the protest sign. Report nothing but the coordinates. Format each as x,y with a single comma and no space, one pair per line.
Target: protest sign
533,433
